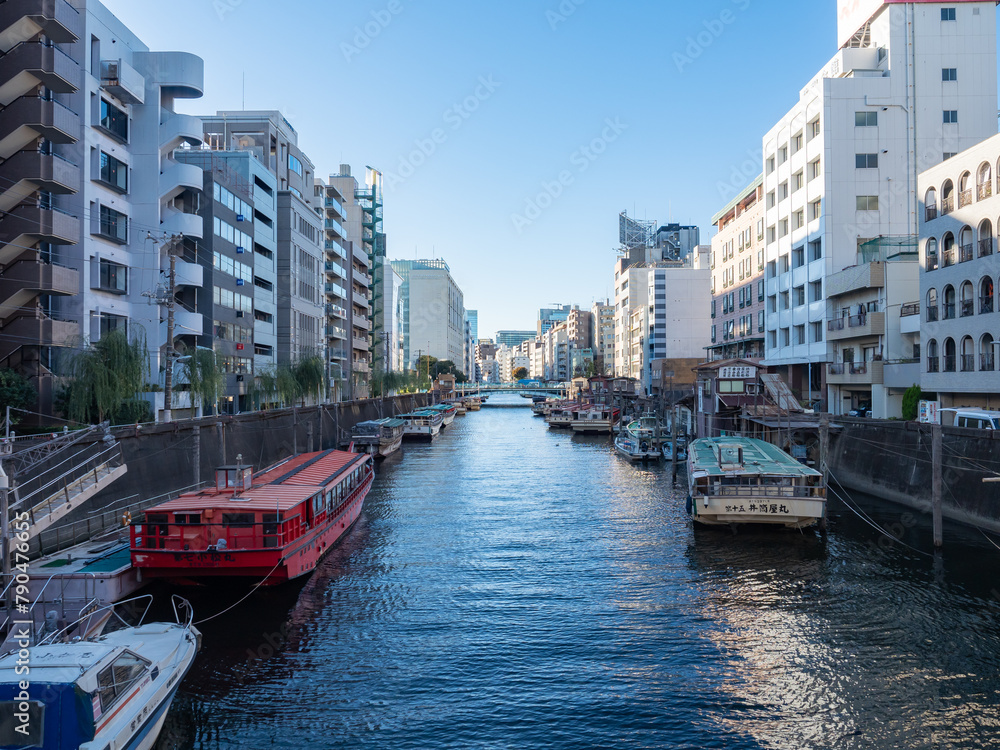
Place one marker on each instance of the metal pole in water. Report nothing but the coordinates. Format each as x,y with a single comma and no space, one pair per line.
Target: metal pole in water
936,485
673,443
824,466
196,453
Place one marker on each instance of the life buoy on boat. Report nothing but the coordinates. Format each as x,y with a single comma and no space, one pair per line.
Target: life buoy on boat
126,518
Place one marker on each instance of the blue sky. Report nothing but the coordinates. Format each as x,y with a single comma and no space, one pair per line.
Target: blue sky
513,133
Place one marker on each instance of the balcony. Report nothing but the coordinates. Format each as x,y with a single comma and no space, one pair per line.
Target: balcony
360,278
177,177
187,274
27,118
856,373
932,313
332,225
947,205
901,374
985,304
857,326
21,20
336,311
120,79
176,130
930,213
856,278
335,248
179,74
967,308
985,190
27,225
360,343
933,364
360,366
948,311
186,323
949,362
986,362
336,289
31,64
21,282
335,269
965,198
42,331
336,332
965,253
28,171
360,300
332,205
361,323
968,362
178,222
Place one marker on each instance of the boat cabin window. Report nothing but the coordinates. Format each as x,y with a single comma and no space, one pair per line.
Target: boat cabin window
119,677
233,477
16,734
187,518
237,519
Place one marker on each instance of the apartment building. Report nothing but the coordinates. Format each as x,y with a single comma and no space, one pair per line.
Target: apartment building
738,277
471,331
93,199
433,309
959,274
551,316
911,85
513,338
580,329
337,272
603,336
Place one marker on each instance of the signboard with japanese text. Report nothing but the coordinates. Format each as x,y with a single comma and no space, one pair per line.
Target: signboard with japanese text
927,412
737,372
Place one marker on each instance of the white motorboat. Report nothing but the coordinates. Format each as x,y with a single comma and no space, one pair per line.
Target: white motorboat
110,691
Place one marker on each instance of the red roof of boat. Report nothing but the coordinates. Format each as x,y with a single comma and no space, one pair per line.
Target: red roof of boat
280,487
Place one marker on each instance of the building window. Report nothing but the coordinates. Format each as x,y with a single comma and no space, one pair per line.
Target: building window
113,277
866,119
815,250
813,169
948,154
800,334
866,161
113,225
949,74
783,154
114,120
797,181
867,203
951,115
814,129
800,297
760,322
783,190
770,164
815,291
114,172
947,14
111,323
798,219
814,209
816,331
770,199
295,166
798,257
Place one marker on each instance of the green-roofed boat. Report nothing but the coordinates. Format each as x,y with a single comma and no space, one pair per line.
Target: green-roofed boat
447,412
737,480
422,424
379,437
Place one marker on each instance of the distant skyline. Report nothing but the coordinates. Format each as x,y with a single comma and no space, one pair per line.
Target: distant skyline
512,134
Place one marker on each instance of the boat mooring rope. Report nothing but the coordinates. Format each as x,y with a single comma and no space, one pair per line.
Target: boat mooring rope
236,604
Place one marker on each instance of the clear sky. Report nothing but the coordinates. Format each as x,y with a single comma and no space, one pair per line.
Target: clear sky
513,132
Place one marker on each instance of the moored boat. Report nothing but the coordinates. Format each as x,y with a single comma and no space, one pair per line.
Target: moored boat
271,527
595,419
639,441
379,437
668,449
423,424
111,691
735,480
447,412
562,416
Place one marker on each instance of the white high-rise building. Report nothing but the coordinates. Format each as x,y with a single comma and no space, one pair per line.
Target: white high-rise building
911,85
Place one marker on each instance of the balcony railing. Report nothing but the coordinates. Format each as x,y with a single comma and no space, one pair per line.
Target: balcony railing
837,324
949,363
985,191
933,364
932,261
985,247
985,304
837,369
965,198
968,363
932,313
930,213
947,205
910,308
859,368
968,307
948,257
986,362
857,321
965,253
949,311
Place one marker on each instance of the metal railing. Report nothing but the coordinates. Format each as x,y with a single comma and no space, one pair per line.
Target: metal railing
933,364
931,213
985,190
910,308
986,362
947,204
965,198
949,363
985,303
968,363
968,308
985,247
932,313
965,253
948,313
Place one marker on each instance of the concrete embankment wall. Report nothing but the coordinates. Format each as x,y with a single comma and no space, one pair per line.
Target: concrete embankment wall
893,460
165,459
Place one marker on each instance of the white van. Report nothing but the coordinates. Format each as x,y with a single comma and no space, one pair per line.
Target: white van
976,418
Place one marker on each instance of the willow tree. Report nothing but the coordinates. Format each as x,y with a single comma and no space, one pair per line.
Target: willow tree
287,385
106,378
264,389
205,377
310,374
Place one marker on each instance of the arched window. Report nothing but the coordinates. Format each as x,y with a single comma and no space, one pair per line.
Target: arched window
930,204
965,189
931,254
965,245
933,363
949,355
986,362
985,238
968,362
947,197
932,305
967,298
948,295
984,181
948,250
985,295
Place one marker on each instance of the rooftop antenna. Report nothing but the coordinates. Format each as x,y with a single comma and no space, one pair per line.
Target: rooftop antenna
244,90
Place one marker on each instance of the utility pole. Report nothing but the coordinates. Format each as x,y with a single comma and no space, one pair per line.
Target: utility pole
168,377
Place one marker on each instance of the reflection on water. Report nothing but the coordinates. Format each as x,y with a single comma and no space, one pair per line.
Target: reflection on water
512,586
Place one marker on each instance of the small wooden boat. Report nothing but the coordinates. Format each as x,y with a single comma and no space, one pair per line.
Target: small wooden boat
422,424
379,437
595,419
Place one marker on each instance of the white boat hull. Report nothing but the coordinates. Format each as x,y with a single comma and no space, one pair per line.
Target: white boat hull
634,452
592,425
776,510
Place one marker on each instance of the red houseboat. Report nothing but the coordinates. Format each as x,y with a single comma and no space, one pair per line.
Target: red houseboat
273,526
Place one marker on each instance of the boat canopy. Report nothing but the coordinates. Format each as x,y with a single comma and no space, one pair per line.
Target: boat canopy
722,456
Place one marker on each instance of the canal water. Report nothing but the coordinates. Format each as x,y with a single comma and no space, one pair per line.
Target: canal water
511,586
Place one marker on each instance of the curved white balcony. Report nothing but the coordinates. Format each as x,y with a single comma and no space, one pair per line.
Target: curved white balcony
178,177
176,130
177,222
185,324
188,274
179,74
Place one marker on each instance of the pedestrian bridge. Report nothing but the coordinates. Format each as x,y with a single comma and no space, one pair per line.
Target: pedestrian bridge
555,391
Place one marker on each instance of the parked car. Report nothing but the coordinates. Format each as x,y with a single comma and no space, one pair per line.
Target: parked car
861,411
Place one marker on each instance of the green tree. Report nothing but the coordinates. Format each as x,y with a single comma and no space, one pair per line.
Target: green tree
310,374
205,377
15,392
288,386
911,401
106,378
520,373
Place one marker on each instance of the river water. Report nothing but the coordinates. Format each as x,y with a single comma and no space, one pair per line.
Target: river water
510,586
